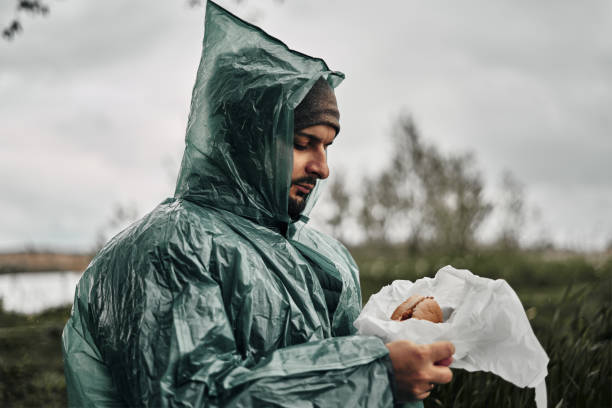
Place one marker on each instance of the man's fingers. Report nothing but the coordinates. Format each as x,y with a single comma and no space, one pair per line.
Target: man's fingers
425,391
441,350
440,375
423,395
444,362
415,366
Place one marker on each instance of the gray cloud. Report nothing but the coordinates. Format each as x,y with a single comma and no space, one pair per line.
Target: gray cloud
94,101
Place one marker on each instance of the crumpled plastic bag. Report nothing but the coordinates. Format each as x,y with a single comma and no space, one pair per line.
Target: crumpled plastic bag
483,318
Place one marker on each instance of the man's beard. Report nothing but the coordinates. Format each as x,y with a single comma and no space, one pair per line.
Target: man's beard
297,206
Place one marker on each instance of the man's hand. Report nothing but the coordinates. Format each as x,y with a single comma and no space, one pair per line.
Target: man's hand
415,367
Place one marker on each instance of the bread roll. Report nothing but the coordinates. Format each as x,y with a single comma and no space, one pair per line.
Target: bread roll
418,307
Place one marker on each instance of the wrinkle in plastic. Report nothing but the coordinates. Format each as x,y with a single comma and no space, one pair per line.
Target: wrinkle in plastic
483,318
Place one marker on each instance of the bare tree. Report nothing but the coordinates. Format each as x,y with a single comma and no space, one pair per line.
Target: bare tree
384,206
512,206
122,216
455,208
31,7
387,198
40,7
342,201
429,196
368,217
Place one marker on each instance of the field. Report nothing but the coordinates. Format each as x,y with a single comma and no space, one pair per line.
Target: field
42,261
567,298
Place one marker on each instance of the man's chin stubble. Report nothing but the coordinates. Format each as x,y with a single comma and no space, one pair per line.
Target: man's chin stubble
296,207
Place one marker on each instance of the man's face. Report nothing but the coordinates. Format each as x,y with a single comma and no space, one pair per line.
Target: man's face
309,164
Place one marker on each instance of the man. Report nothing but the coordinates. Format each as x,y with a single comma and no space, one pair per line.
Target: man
222,295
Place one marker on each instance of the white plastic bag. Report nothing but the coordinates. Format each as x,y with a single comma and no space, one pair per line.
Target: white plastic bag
483,318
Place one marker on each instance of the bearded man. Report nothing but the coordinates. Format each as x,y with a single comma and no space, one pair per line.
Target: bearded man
223,295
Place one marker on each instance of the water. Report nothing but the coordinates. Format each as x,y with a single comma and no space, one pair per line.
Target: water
33,292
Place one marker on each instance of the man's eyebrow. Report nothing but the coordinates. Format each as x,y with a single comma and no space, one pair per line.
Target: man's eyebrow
311,136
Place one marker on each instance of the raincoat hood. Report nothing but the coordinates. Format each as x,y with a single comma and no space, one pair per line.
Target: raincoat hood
239,140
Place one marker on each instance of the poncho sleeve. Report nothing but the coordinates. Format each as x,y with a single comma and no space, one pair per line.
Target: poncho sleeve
187,356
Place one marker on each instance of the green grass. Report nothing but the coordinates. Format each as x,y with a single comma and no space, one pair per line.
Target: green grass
31,367
568,302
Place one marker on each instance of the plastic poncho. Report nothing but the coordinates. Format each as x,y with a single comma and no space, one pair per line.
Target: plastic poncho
216,298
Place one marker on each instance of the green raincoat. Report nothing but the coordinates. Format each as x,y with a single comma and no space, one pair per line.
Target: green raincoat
216,298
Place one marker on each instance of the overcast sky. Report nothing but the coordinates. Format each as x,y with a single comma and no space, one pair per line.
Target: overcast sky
94,101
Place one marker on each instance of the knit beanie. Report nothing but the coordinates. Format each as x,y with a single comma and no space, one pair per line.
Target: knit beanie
319,107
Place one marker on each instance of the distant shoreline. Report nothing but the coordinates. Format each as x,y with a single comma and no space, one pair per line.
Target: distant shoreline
51,261
43,261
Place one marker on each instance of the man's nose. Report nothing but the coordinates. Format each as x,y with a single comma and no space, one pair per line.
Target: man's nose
317,166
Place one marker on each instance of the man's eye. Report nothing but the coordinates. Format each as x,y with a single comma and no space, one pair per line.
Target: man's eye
299,146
